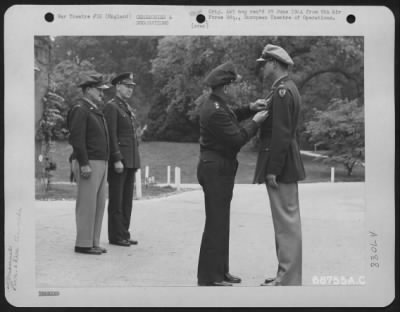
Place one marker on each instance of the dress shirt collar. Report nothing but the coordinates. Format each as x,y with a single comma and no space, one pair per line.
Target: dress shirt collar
90,102
277,81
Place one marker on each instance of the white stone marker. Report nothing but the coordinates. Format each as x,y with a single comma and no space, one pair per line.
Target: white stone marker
178,178
146,175
168,175
138,183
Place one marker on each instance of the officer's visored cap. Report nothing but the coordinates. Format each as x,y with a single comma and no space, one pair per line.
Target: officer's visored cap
93,81
124,78
275,52
222,75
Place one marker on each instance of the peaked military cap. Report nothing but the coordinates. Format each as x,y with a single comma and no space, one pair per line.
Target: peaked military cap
94,81
124,78
275,52
222,75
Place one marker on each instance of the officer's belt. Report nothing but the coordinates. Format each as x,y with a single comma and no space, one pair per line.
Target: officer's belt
265,145
215,155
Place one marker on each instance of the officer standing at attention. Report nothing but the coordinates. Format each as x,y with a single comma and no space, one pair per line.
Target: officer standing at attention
124,160
89,139
221,138
279,165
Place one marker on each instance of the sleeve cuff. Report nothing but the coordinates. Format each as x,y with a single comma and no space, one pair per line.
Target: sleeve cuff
83,161
274,168
117,156
254,126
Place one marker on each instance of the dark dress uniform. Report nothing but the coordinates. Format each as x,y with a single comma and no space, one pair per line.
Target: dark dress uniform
280,155
279,151
124,147
221,138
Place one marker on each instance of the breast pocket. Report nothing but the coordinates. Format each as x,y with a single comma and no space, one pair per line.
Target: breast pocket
124,121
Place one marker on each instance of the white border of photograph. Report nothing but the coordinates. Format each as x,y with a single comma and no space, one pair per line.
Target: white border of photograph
22,23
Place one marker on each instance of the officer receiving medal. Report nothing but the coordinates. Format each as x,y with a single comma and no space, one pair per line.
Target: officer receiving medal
279,165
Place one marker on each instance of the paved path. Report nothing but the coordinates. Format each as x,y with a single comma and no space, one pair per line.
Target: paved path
169,230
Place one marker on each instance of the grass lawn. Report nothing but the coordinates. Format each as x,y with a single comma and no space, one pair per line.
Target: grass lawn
159,155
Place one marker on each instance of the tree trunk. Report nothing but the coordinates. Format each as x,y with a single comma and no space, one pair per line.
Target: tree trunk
349,171
349,167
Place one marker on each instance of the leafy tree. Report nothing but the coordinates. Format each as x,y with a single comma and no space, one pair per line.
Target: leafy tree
50,129
179,71
341,129
325,68
51,124
66,77
76,55
170,72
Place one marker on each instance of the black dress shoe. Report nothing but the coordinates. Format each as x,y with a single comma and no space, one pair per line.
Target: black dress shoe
122,242
87,250
269,282
103,250
231,278
223,283
133,242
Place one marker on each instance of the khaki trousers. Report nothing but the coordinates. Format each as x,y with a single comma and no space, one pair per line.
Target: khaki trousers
90,203
285,211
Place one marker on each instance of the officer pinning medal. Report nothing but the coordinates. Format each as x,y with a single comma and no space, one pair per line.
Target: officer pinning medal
221,137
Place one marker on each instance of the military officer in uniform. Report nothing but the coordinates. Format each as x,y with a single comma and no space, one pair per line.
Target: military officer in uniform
89,139
221,138
124,160
279,164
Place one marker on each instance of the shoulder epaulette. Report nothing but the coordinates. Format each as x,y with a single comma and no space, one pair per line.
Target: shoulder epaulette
76,106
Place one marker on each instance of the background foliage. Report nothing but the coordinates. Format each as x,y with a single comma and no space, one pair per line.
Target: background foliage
341,129
169,73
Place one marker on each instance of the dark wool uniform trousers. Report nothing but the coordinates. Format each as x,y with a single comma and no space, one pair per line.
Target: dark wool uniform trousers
217,178
120,194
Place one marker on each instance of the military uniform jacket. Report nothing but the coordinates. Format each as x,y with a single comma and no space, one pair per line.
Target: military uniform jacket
220,132
122,125
279,151
88,132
